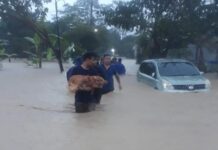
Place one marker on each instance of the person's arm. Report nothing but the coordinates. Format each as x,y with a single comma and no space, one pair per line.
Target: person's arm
69,73
124,68
118,81
101,72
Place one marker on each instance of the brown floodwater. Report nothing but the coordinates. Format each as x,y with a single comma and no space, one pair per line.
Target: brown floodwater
37,113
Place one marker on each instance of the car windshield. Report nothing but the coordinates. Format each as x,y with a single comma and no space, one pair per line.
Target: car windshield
177,69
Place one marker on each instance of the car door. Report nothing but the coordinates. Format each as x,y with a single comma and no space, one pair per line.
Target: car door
147,73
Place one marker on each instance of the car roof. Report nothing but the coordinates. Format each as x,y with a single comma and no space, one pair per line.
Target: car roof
164,60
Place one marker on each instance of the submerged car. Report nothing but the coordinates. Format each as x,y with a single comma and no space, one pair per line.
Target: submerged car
172,75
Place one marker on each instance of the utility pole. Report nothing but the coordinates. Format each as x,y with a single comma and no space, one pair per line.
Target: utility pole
91,13
57,25
59,53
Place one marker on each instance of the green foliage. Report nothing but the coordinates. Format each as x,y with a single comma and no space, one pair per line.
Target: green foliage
30,14
85,38
169,24
144,42
36,41
37,56
33,58
183,53
4,54
49,54
54,39
80,13
125,46
11,26
2,50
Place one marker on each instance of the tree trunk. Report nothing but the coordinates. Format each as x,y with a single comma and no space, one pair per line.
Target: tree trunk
139,55
40,58
155,49
216,54
61,65
199,57
58,56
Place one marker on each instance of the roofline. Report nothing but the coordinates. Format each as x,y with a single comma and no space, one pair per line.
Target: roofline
160,60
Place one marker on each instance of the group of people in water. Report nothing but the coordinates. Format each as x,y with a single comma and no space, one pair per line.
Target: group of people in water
92,77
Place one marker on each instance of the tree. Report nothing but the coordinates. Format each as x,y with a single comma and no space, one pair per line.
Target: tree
16,43
86,30
85,38
83,11
31,14
168,24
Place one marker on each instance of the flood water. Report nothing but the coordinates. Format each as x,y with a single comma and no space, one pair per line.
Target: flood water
37,113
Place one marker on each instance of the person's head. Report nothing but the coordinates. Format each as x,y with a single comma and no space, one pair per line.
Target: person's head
114,60
120,60
90,59
107,59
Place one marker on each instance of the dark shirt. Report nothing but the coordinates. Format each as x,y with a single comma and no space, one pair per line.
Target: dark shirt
80,95
108,73
121,70
78,61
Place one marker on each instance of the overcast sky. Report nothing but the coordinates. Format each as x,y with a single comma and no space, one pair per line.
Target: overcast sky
51,6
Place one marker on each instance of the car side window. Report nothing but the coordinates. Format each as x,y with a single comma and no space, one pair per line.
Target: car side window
142,68
151,69
147,68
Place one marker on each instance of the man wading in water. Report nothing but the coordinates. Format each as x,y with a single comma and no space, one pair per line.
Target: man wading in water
85,97
108,70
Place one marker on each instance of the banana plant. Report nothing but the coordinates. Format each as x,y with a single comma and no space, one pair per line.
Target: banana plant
49,54
37,56
9,56
36,42
69,51
32,57
54,39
